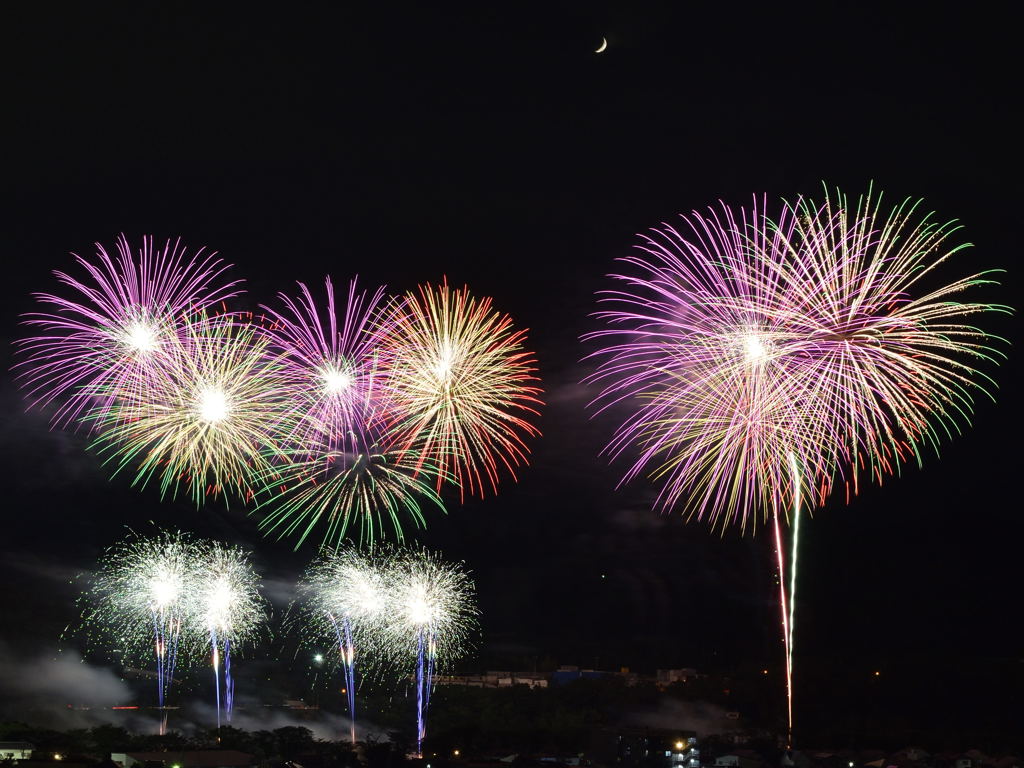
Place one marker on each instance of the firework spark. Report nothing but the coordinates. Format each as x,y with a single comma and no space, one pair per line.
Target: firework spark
344,603
463,383
111,334
229,607
139,602
206,419
431,615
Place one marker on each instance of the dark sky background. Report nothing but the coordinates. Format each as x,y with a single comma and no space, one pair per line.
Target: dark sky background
496,148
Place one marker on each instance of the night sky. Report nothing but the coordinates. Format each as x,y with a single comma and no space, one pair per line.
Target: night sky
497,149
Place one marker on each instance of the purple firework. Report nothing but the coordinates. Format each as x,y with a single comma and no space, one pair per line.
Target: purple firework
330,363
110,333
762,360
338,465
692,351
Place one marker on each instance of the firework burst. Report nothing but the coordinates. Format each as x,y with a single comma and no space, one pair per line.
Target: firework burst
110,335
758,360
343,599
229,607
341,469
463,386
741,342
878,333
330,366
369,489
140,602
206,419
695,349
431,615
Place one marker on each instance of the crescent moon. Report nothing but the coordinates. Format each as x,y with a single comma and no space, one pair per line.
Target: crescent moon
604,44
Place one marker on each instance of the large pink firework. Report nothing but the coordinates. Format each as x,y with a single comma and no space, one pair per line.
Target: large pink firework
692,356
758,360
112,328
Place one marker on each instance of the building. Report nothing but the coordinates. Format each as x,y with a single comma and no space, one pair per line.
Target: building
200,758
740,759
665,677
566,674
16,750
648,748
495,680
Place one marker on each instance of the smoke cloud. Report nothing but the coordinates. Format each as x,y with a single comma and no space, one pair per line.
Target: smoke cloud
702,717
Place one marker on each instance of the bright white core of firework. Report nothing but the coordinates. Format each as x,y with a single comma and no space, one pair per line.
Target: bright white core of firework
140,337
367,598
442,369
754,348
163,590
212,404
218,604
418,608
336,380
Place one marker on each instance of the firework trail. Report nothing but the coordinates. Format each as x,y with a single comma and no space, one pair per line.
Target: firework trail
463,385
205,421
110,334
343,601
229,608
139,602
759,361
430,616
341,467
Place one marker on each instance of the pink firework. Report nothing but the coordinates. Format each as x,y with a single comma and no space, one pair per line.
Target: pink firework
714,411
757,360
113,328
330,362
